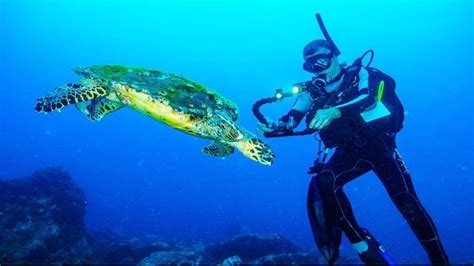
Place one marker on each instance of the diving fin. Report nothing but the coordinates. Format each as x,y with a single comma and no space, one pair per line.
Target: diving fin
375,254
219,149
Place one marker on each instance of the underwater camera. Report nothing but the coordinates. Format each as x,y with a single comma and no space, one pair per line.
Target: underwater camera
279,96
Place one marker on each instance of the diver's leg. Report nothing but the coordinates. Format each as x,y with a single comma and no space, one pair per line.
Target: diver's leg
397,180
369,249
330,183
326,187
343,167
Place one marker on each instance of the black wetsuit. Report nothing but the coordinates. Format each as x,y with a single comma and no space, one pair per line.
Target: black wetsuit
361,148
381,156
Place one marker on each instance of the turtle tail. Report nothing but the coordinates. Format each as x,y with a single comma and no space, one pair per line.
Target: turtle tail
69,94
256,150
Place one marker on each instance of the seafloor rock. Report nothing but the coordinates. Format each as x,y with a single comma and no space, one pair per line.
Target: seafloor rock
289,259
248,247
235,260
241,250
110,248
42,221
42,218
173,258
310,258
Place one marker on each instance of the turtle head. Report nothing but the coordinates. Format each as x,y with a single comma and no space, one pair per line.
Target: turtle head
256,150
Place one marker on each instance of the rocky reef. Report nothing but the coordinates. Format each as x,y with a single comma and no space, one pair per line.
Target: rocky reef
42,217
42,221
248,249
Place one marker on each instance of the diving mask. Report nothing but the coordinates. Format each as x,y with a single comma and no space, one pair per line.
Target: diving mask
318,62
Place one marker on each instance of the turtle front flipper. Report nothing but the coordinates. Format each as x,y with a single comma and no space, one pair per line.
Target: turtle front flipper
256,150
219,149
98,108
69,94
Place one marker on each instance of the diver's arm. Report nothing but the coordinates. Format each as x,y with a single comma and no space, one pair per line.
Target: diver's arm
362,101
301,106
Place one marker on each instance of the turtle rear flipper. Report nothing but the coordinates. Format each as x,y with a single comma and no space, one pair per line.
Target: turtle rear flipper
98,108
256,150
219,149
68,94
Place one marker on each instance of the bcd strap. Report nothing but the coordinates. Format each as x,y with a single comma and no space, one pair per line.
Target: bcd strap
351,79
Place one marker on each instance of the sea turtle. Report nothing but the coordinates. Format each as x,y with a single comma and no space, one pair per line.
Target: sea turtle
171,99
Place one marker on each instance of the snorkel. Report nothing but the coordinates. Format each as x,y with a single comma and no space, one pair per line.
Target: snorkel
328,38
297,88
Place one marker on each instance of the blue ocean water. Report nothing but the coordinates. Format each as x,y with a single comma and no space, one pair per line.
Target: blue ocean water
141,177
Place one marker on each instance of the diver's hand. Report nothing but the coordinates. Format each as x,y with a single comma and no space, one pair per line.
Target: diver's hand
272,126
264,127
324,117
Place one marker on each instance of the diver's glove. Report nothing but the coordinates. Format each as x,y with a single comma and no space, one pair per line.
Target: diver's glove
273,126
286,122
324,117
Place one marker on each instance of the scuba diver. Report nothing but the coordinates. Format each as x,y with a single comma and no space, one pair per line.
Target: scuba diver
356,111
